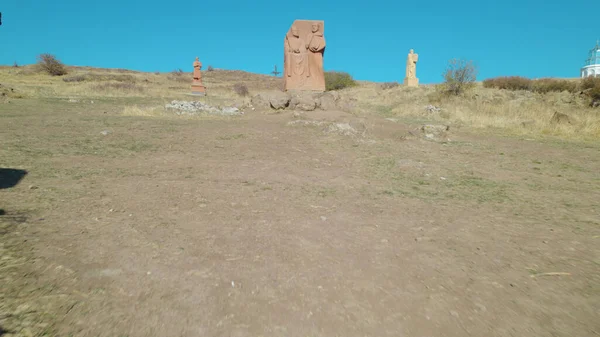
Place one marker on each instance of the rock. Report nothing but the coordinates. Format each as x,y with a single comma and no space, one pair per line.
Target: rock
328,100
435,132
560,118
304,103
271,100
105,132
432,108
344,129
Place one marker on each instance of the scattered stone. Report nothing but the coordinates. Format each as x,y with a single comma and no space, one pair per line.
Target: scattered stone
105,132
328,100
344,129
432,108
73,100
197,108
560,118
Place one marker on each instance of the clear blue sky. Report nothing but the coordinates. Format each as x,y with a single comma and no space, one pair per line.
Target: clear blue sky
369,39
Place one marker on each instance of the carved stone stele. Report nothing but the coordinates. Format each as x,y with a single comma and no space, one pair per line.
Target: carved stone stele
304,48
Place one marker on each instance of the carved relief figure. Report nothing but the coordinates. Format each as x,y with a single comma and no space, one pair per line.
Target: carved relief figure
316,48
197,87
411,79
296,57
304,46
197,67
411,64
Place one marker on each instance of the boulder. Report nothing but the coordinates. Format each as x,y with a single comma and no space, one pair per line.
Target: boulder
435,132
303,103
273,99
328,100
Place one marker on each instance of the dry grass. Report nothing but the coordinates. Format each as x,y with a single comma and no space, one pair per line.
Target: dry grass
510,112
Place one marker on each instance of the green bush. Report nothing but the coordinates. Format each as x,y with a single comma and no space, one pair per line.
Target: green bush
508,83
51,65
460,76
336,80
545,85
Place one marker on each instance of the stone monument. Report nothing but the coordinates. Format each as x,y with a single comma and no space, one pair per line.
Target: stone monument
411,79
304,47
197,87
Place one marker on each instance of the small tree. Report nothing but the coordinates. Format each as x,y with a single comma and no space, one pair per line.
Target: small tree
460,75
51,65
275,72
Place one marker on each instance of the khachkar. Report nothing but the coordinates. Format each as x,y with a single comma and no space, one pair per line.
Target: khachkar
197,87
411,79
304,47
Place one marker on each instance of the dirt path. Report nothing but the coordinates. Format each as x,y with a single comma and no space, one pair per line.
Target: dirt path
252,227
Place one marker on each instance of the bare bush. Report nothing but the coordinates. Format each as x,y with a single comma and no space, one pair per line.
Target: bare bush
210,68
241,89
51,65
460,76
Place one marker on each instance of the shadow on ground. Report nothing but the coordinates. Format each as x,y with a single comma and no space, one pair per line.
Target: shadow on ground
11,177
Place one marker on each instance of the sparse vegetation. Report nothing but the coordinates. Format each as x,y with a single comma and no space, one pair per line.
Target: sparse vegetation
389,85
545,85
51,65
336,80
241,89
460,76
508,83
119,86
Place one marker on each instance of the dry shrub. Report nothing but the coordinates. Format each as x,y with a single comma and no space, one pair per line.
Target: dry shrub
591,87
210,68
389,85
336,80
241,89
51,65
508,83
460,76
546,85
590,83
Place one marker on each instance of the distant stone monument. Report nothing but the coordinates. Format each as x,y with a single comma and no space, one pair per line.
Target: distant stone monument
411,79
197,87
304,47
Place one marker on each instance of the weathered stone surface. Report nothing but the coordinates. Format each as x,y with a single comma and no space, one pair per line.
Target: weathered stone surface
304,46
435,132
328,100
271,100
303,102
411,79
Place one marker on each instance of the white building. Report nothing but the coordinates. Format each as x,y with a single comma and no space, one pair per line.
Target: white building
592,64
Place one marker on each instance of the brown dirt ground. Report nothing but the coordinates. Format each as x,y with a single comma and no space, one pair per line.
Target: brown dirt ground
250,227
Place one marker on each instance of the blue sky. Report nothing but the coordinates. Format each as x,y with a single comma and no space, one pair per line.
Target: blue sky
368,39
